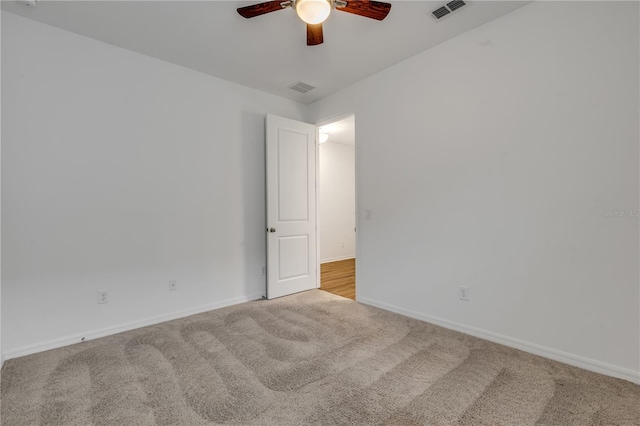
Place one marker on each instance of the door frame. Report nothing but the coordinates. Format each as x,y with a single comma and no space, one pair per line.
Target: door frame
318,124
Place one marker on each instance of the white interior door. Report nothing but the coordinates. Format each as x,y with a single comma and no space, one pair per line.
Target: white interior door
291,206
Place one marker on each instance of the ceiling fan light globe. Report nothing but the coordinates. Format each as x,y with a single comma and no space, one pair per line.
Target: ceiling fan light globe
313,11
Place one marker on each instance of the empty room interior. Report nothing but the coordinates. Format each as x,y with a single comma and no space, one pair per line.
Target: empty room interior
337,207
189,190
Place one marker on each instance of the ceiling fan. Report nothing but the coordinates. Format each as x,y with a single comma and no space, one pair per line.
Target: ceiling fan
315,12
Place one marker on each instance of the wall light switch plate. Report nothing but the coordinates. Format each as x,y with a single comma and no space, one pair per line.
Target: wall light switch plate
464,293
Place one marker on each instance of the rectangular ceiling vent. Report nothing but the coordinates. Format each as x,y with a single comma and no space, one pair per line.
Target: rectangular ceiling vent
443,11
301,87
440,12
455,5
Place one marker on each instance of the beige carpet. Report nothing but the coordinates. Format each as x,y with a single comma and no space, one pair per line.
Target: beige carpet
312,358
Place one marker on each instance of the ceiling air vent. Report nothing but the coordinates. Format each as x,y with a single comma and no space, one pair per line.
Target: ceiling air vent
443,11
440,12
301,87
455,4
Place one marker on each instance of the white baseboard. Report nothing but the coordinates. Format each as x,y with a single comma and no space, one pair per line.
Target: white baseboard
336,259
95,334
543,351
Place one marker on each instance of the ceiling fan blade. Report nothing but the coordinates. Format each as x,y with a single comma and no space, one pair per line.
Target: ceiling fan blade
314,34
260,9
367,8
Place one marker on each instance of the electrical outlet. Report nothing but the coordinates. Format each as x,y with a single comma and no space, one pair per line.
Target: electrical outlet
367,214
173,285
103,296
464,293
263,270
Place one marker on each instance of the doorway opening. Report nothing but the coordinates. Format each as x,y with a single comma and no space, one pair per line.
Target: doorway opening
337,207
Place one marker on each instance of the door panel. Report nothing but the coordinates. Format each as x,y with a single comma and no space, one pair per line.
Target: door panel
291,209
293,176
292,253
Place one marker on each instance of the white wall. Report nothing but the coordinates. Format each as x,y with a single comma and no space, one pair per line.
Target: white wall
122,172
1,353
337,201
490,161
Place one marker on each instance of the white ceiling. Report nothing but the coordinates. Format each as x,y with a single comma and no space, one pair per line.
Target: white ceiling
342,131
269,52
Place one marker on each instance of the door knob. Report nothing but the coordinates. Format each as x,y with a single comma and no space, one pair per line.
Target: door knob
272,229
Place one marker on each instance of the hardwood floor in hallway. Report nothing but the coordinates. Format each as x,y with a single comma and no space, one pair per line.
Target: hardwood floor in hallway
339,278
